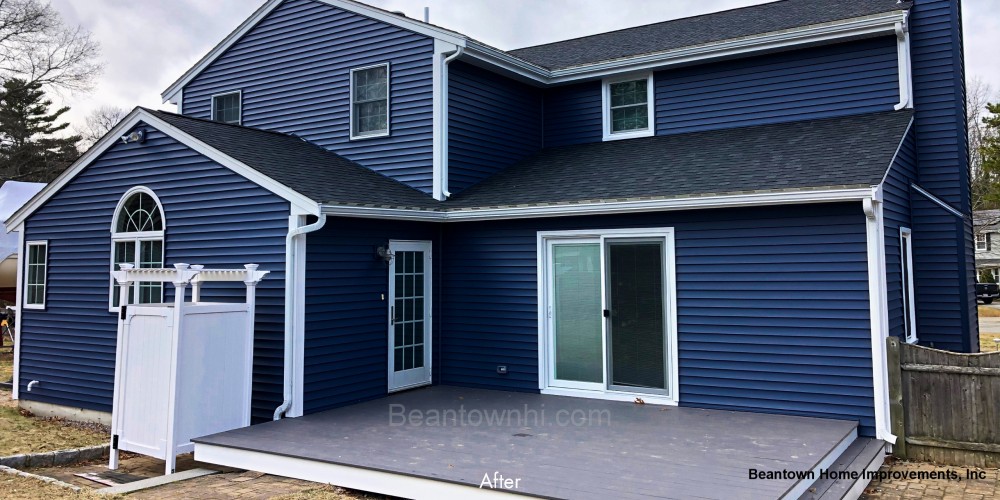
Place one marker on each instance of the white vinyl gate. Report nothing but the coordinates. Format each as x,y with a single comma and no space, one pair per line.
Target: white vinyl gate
182,369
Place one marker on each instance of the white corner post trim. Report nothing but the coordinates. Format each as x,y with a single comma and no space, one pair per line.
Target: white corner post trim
294,311
904,67
18,310
444,54
878,306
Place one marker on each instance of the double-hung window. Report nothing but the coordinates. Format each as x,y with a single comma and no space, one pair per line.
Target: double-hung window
370,101
35,270
228,107
137,239
982,242
628,107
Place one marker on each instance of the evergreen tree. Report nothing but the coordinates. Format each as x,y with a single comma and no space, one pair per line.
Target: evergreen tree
989,151
30,149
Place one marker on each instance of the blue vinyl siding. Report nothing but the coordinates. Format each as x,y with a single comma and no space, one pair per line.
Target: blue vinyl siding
573,114
752,335
945,251
214,217
822,82
493,122
293,69
346,350
896,213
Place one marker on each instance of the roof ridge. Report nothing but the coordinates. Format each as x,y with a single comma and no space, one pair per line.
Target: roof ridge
321,149
224,124
650,24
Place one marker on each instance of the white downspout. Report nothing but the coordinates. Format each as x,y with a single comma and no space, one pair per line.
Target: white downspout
290,319
444,120
879,318
903,65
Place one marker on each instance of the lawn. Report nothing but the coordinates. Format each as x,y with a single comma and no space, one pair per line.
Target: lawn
25,488
21,433
6,365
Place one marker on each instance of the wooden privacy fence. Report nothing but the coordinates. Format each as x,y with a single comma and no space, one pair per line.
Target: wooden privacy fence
945,406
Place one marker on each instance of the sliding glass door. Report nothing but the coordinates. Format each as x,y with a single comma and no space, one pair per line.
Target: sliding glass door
607,305
635,298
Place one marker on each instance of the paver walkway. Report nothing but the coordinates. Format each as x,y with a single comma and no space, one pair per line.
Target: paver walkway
964,489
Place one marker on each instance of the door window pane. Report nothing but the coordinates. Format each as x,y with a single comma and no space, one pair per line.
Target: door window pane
409,311
635,300
576,289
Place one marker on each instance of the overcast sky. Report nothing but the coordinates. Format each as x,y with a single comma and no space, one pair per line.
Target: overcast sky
147,44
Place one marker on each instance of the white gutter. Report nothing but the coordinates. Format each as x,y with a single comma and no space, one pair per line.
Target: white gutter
878,312
444,120
290,318
617,207
903,65
879,24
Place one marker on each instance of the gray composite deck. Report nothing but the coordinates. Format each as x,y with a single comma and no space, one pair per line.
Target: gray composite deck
612,450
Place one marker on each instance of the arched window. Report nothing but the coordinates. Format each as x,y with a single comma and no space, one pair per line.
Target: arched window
137,239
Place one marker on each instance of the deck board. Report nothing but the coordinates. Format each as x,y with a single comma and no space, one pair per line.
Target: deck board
613,450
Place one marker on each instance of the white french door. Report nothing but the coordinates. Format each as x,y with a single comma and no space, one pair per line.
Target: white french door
608,307
409,314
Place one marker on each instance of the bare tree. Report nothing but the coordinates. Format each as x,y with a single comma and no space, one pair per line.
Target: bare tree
978,95
37,46
99,122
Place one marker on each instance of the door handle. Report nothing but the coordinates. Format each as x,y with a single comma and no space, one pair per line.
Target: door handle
392,315
607,313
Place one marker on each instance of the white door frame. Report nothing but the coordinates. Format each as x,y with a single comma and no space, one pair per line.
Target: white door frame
414,379
546,354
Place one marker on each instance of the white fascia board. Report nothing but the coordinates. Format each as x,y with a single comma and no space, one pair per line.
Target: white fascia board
300,204
809,35
704,202
172,92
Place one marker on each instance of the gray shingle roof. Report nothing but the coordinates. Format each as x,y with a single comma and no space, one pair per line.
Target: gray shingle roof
312,171
690,31
846,152
853,151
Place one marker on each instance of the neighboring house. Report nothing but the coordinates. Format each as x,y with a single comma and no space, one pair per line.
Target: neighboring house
731,212
987,238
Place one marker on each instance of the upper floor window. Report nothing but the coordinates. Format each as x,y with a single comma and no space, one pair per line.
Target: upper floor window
628,107
137,239
36,267
370,101
982,241
226,108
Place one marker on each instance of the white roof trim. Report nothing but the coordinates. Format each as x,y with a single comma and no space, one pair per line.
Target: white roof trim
174,90
848,28
576,209
299,203
806,35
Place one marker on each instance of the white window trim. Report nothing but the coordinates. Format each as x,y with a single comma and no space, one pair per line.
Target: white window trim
606,107
545,351
985,245
45,275
906,250
138,237
388,102
239,94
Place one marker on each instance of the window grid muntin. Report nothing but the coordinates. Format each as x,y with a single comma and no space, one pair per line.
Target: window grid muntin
36,268
629,105
226,108
138,240
370,101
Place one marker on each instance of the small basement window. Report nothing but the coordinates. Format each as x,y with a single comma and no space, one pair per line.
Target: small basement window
35,270
628,107
370,101
226,108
